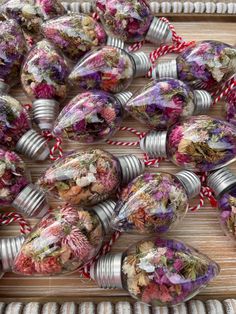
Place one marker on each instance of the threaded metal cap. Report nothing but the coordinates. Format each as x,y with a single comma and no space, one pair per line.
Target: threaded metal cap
115,42
86,7
33,145
45,112
131,167
105,211
4,88
123,97
167,69
190,181
202,101
154,144
159,32
142,63
107,271
31,201
9,248
221,180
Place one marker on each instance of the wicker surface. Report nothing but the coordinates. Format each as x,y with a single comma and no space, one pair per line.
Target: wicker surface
199,229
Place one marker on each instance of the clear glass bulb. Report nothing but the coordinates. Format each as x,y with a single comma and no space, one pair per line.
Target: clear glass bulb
91,117
62,242
164,102
16,189
132,21
157,272
199,143
13,49
16,132
30,14
89,177
206,65
44,78
155,202
74,34
109,68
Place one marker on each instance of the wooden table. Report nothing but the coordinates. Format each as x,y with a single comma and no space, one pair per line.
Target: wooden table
200,229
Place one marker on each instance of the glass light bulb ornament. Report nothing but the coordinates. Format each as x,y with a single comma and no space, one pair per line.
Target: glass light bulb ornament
223,184
91,117
157,272
74,34
65,240
164,102
44,78
199,143
30,14
132,21
206,65
89,177
13,49
110,68
16,189
155,202
16,132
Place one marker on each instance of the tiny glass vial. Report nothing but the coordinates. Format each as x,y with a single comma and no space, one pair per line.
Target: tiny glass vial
74,34
89,177
44,79
164,102
155,202
109,68
223,184
199,143
157,272
16,132
204,66
132,21
91,117
64,240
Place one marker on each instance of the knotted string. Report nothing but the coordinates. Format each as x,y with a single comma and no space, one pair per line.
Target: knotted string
147,160
8,218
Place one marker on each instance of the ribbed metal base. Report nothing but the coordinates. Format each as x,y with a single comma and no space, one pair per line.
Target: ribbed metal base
123,97
105,211
9,248
107,271
159,32
45,112
221,180
202,101
31,201
33,145
190,181
154,144
115,42
131,167
167,69
142,63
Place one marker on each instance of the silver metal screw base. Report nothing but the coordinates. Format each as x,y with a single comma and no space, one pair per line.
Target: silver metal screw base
142,63
167,69
190,181
202,101
115,42
107,271
9,248
86,7
105,211
45,112
31,201
4,88
221,180
159,32
131,167
33,145
154,144
123,97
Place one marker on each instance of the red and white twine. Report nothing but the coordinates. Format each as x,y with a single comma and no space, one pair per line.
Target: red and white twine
12,217
224,91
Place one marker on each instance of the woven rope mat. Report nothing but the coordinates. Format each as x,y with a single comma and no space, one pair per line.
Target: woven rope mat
192,307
